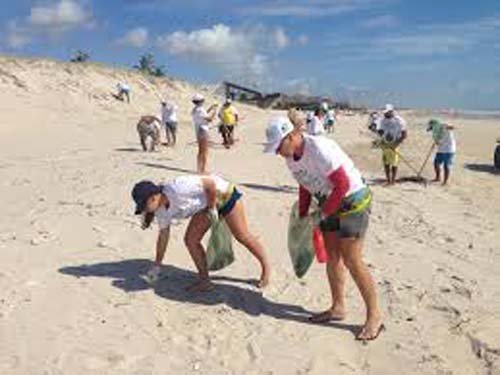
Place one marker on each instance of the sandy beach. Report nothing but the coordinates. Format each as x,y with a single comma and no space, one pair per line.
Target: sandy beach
72,295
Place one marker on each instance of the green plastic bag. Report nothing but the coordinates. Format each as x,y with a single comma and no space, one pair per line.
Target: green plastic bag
220,247
300,242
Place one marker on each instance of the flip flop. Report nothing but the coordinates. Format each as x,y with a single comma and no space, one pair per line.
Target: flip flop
379,331
315,318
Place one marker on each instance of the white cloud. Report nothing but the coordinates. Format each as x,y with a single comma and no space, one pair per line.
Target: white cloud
239,54
426,40
380,22
280,38
303,40
52,19
59,15
16,36
307,8
137,38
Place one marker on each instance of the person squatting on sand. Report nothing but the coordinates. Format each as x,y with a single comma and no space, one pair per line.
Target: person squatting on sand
203,199
149,127
393,132
169,121
326,173
123,91
444,139
229,117
201,120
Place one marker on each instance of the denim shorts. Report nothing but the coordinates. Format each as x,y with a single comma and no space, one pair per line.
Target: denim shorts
445,158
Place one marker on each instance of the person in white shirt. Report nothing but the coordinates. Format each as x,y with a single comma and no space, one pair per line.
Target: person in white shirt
444,140
149,127
169,119
327,174
316,125
201,120
123,91
205,200
393,132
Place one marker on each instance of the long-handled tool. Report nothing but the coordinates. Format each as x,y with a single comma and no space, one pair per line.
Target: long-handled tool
419,174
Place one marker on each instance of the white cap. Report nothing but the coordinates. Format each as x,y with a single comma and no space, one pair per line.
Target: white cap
276,131
324,106
389,108
228,101
198,98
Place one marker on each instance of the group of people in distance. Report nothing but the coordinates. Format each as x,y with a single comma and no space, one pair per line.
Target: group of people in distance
392,130
324,173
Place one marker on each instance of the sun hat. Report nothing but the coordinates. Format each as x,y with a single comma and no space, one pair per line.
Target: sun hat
141,193
277,130
198,98
388,108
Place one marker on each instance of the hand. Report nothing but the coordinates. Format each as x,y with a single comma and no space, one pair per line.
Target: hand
317,218
213,215
153,274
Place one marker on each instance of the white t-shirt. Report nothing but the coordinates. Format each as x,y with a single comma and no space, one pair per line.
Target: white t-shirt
322,157
123,87
186,197
393,126
315,126
199,115
330,115
447,143
169,112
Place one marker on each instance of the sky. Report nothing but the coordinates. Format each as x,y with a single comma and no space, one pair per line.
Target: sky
426,53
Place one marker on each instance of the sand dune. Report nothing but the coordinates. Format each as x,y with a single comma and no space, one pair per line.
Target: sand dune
72,300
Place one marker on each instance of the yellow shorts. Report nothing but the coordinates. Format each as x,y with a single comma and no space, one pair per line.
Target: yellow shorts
390,157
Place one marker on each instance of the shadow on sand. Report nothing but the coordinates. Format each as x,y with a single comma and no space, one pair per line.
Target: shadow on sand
485,168
166,167
275,189
238,294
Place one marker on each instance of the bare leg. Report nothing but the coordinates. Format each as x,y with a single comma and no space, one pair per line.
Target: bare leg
202,154
446,174
167,133
394,171
335,270
437,169
351,250
387,169
143,142
198,226
237,223
174,137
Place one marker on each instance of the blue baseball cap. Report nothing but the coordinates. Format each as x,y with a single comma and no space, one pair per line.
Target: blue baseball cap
141,193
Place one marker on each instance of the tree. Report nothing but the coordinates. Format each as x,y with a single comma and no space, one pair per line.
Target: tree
80,56
148,66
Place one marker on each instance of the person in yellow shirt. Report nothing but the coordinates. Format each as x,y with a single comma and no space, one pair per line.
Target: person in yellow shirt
229,117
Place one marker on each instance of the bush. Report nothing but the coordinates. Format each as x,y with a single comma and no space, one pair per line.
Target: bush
148,66
80,57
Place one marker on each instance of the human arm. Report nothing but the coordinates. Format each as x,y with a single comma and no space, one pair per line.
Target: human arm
304,201
340,183
210,190
161,245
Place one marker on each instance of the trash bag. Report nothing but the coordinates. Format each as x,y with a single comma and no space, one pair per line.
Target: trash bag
300,242
220,247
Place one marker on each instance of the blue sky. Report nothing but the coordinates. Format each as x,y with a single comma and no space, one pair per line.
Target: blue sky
425,53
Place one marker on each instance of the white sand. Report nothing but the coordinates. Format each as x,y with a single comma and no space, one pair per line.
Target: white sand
72,301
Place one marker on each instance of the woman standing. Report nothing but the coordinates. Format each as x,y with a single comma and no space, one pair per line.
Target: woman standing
326,173
201,119
203,199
